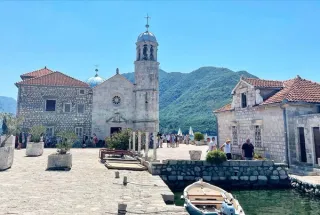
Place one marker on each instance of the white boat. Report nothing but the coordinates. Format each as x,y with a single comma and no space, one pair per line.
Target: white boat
179,132
202,198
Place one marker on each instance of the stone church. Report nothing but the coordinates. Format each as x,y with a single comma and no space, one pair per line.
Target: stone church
60,102
281,118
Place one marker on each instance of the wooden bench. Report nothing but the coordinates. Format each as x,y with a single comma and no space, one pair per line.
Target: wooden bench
207,202
104,152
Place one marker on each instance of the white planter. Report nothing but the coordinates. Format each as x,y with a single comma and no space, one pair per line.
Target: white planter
195,155
34,149
59,162
10,142
6,157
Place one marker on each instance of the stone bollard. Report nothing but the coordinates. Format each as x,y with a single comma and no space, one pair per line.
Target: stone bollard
117,174
122,209
134,141
125,180
146,150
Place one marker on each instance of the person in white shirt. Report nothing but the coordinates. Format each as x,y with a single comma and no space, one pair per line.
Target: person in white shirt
212,145
227,149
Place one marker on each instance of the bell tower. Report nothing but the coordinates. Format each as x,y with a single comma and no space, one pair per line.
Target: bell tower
147,82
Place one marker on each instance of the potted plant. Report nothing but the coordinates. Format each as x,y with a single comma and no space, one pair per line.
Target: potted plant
10,126
216,157
198,137
62,160
35,146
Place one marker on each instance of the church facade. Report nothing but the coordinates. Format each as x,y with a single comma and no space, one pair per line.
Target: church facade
60,102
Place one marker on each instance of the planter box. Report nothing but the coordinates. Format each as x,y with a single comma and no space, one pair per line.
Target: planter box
195,155
59,162
34,149
6,157
10,142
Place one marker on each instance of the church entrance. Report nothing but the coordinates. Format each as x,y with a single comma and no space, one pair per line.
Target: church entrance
115,129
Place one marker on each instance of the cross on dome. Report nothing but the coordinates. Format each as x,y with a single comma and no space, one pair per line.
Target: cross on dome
147,25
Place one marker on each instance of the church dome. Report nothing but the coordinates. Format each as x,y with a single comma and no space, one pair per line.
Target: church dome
96,80
147,36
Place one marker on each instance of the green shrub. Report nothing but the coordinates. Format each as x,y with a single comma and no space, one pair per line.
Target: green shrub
216,157
119,140
11,127
36,133
198,136
66,142
257,156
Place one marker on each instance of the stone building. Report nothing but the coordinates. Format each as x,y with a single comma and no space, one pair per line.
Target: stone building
281,118
99,106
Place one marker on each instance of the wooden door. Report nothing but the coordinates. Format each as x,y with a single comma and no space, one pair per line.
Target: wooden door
316,136
302,141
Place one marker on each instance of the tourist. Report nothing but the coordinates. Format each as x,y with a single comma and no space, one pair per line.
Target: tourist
212,145
173,141
168,140
177,140
227,148
187,139
247,150
95,140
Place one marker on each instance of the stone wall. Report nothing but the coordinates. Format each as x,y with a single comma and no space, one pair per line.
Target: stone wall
269,118
31,106
242,174
306,187
308,122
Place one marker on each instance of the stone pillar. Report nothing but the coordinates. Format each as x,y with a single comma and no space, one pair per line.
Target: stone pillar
155,145
134,141
139,142
146,150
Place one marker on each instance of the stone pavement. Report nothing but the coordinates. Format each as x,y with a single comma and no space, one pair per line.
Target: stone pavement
181,152
308,179
89,188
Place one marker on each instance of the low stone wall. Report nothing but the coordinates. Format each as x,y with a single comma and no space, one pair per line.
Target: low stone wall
242,174
309,188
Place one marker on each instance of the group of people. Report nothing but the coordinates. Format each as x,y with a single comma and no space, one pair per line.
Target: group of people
247,148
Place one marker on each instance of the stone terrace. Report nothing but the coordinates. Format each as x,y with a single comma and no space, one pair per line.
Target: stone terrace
89,188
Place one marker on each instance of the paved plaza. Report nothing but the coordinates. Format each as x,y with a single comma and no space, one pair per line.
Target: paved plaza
88,188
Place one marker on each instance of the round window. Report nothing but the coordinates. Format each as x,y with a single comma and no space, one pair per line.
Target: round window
116,100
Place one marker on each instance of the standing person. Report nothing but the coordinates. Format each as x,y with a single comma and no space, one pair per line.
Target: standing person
227,148
168,140
177,140
172,141
95,140
212,145
187,139
247,150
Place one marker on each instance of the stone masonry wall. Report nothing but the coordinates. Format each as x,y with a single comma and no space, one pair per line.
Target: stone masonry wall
243,174
308,122
31,106
270,118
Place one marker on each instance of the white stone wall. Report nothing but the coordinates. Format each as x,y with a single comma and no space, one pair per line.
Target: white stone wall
248,90
31,106
106,114
268,117
307,122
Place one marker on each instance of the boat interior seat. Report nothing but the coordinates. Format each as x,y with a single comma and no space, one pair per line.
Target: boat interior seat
206,202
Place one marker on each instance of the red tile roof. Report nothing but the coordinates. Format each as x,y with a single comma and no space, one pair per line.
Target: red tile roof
263,83
54,79
227,107
37,73
294,90
297,90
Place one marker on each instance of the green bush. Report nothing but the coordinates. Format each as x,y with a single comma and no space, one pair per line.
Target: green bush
119,140
36,133
67,140
216,157
258,156
198,136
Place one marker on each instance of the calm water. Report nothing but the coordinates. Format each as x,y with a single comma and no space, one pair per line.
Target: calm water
273,202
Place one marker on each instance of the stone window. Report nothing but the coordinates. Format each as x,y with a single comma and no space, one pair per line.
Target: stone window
81,92
67,108
79,131
257,136
50,131
51,105
80,108
234,135
243,100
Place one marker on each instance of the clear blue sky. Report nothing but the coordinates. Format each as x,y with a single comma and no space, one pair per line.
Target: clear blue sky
271,39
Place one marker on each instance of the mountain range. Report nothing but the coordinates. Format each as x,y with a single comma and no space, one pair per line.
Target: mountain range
186,99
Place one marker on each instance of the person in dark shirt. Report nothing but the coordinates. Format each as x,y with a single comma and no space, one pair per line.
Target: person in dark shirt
248,150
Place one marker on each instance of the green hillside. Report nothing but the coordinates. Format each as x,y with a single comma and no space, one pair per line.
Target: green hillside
188,99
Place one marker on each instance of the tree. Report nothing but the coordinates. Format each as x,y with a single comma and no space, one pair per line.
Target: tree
67,139
12,124
4,126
